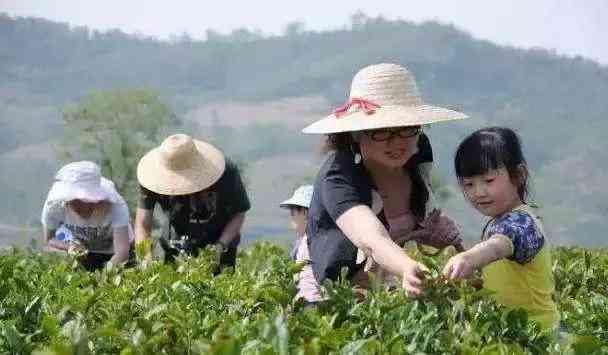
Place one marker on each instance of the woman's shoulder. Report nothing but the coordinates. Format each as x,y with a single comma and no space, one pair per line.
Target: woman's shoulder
119,213
338,158
54,209
231,172
341,163
231,165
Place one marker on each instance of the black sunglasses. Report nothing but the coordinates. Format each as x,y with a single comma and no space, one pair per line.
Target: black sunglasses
382,135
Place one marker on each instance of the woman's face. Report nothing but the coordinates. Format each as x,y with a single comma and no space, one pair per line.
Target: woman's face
298,220
84,208
390,147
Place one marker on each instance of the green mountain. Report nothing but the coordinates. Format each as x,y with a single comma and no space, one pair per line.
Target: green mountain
557,104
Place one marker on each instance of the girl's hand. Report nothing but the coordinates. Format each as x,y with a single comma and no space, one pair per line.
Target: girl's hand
459,266
412,278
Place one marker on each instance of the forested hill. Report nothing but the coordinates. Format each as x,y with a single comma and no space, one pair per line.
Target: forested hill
559,105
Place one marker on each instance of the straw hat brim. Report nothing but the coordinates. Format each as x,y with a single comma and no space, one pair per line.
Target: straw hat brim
383,117
207,168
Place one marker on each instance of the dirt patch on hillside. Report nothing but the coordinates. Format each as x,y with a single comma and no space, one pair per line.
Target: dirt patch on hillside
294,112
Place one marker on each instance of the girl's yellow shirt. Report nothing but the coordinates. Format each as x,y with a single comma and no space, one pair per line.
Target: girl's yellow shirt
529,286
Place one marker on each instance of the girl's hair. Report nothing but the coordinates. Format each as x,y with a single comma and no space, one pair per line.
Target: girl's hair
490,149
297,208
344,142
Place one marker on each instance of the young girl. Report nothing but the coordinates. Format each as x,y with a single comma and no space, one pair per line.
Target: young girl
513,253
298,205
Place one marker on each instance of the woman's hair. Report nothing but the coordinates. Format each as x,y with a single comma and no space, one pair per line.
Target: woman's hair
490,149
344,142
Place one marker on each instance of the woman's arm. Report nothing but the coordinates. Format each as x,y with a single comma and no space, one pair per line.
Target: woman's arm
363,228
143,227
463,265
49,238
232,229
121,245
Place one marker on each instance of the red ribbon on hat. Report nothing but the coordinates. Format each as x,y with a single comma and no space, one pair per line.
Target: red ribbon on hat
368,106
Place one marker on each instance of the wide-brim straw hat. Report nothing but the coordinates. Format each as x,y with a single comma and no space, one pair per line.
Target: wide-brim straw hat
382,96
82,180
301,197
180,166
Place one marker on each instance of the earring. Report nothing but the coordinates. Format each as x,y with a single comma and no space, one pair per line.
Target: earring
356,153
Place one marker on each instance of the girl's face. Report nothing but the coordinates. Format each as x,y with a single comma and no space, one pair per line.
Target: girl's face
391,147
492,193
298,220
84,208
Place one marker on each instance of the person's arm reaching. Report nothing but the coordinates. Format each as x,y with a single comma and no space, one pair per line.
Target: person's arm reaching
52,218
143,228
232,229
121,245
49,239
363,228
463,265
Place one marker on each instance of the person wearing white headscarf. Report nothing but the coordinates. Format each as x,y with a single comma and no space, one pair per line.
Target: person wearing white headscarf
85,216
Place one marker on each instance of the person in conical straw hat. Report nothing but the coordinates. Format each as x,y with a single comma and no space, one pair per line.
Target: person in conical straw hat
200,193
373,191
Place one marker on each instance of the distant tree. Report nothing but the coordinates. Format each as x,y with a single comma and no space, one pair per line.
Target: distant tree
358,20
214,36
115,129
183,38
243,35
294,29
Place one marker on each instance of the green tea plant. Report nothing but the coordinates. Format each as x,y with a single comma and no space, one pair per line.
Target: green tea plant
48,305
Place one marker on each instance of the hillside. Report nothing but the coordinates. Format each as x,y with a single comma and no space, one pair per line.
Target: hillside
267,88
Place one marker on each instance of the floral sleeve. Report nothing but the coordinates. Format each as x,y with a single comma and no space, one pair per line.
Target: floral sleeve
521,229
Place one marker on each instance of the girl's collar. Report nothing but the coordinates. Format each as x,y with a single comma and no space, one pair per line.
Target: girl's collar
521,207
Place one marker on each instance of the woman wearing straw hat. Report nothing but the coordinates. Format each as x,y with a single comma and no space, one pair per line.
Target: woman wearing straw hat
84,215
373,190
200,193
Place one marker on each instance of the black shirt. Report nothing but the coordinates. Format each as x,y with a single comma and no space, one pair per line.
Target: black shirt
340,185
201,215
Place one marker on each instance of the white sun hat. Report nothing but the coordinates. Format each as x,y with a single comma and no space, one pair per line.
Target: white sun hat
180,166
82,180
382,96
300,198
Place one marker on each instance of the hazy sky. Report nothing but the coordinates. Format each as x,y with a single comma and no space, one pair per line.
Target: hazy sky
573,27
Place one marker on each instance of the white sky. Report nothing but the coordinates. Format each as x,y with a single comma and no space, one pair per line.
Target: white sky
573,27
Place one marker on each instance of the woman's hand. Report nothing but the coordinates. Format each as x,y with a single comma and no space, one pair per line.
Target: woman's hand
77,249
412,278
460,266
